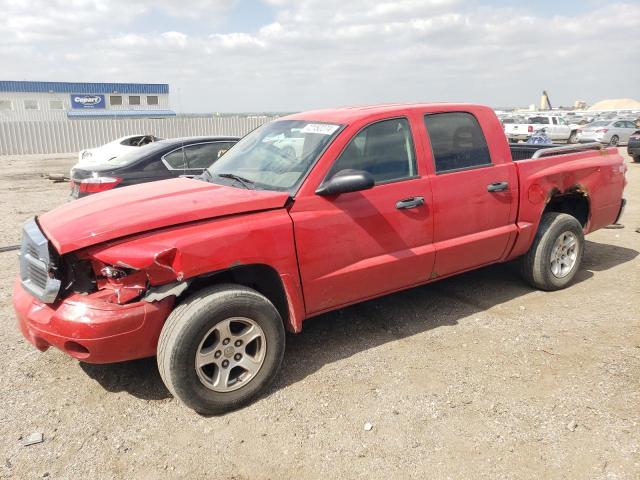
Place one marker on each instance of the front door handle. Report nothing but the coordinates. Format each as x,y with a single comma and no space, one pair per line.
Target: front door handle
497,186
412,202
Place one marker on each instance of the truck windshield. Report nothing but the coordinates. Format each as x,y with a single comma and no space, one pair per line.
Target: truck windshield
276,156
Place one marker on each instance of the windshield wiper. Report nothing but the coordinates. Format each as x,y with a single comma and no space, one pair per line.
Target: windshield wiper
245,182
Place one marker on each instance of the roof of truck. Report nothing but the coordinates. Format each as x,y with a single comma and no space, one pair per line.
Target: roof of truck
350,114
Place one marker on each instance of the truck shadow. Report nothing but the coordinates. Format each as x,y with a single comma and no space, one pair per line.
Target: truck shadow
337,335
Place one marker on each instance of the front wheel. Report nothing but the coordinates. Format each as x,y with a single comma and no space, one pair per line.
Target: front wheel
556,253
221,348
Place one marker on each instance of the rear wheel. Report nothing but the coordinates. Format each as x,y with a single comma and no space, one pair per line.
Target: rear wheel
573,138
556,253
221,348
614,141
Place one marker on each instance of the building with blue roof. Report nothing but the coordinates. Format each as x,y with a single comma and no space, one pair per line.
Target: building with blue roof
28,100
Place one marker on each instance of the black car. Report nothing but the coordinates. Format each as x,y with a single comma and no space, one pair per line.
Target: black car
633,146
176,157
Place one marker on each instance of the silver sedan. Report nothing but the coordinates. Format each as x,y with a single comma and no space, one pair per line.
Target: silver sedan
610,132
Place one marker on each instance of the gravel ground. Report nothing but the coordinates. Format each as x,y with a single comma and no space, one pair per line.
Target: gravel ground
477,376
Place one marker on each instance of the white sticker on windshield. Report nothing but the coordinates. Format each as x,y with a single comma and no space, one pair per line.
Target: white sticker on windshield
321,128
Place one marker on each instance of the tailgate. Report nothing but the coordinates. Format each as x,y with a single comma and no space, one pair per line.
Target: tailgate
517,128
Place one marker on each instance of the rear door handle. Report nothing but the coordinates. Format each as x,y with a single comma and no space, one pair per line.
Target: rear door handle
497,186
412,202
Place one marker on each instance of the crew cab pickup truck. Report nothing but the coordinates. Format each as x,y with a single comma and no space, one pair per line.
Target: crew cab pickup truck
555,127
207,273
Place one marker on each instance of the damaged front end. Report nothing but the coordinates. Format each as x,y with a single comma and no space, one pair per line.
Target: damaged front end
119,276
95,309
148,277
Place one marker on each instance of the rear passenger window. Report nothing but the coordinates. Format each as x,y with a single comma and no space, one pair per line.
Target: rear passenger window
457,141
384,149
176,159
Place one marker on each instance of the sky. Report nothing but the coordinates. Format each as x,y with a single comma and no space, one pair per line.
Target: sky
292,55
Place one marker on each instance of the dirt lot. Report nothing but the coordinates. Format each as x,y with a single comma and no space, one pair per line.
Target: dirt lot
478,376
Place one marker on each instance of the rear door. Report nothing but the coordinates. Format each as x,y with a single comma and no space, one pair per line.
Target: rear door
147,169
564,129
474,195
362,244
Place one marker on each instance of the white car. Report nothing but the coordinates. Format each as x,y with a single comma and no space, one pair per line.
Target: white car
555,127
108,151
610,132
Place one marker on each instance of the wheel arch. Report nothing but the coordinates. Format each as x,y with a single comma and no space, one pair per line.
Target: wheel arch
574,202
262,278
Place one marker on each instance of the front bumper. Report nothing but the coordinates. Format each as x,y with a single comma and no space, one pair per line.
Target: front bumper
89,328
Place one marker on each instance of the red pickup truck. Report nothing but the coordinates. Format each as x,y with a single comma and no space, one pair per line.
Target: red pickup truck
304,215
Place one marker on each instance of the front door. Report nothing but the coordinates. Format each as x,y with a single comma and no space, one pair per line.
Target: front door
363,244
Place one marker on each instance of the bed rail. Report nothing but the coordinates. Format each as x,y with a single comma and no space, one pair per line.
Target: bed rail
545,152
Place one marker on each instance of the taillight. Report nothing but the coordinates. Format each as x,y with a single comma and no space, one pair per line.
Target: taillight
530,129
602,130
98,184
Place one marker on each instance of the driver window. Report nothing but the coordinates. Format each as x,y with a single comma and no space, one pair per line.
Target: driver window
384,149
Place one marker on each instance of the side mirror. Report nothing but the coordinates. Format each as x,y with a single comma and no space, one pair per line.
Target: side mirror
346,181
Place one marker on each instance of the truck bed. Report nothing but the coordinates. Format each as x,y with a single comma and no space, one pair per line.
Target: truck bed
524,151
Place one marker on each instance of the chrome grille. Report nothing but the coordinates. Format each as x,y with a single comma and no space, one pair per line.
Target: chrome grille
35,264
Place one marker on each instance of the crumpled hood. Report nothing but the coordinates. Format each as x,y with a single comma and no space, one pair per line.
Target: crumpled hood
140,208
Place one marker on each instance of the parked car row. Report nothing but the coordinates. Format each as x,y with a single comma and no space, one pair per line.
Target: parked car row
612,132
159,160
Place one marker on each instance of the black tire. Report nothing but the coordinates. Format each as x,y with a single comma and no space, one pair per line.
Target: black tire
614,141
635,158
189,324
573,137
535,265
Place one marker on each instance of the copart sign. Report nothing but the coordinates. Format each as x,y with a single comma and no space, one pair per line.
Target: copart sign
87,101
